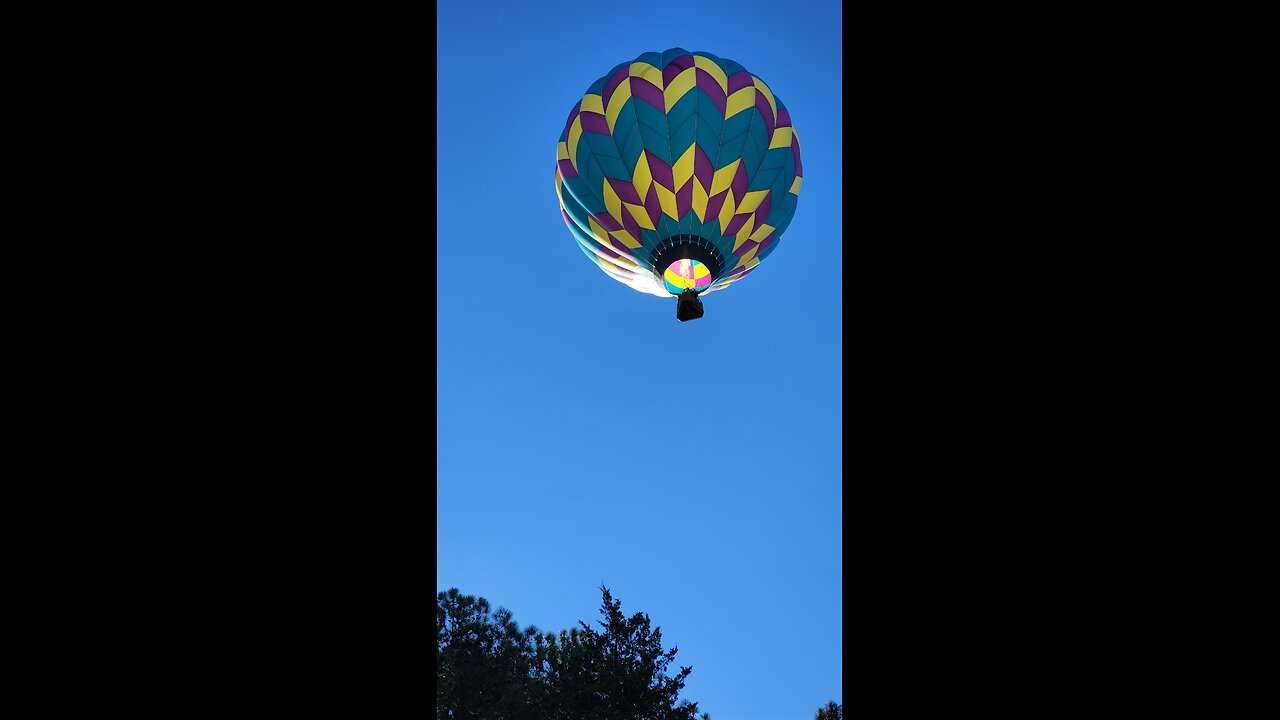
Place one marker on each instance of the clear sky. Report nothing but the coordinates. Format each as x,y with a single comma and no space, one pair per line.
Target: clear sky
585,436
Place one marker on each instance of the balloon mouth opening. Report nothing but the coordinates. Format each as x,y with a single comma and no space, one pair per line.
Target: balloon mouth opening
686,262
686,274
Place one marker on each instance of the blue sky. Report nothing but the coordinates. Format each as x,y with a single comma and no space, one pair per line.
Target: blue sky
562,394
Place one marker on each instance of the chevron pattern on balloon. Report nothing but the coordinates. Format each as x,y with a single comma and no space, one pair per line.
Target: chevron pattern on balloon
677,143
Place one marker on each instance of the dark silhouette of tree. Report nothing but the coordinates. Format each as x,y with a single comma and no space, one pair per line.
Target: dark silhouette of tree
830,711
617,673
487,668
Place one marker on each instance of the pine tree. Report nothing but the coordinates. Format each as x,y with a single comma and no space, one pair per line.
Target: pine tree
830,711
487,668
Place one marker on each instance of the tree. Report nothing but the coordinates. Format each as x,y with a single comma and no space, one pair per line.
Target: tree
830,711
488,668
617,673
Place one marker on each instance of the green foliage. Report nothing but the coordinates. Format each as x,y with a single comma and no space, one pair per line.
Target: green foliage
486,667
489,669
830,711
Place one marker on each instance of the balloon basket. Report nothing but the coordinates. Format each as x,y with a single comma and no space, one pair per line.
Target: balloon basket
688,307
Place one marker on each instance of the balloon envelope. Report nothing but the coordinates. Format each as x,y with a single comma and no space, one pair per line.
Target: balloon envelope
678,170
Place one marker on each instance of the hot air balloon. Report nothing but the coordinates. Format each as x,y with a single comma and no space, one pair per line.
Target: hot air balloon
677,174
